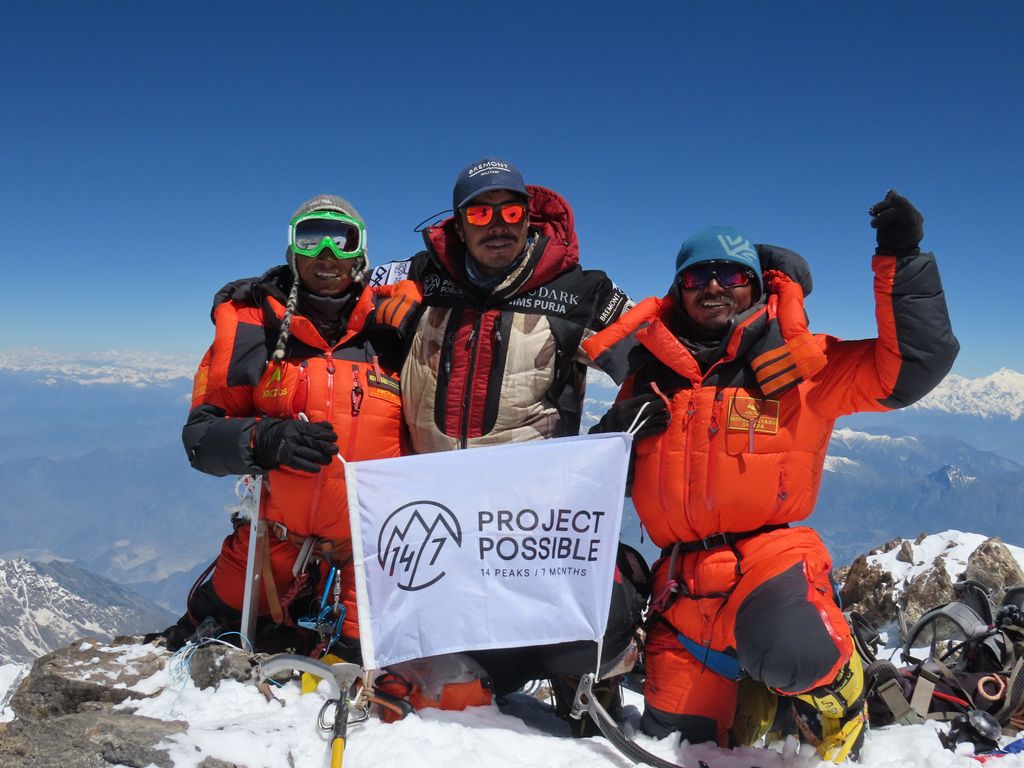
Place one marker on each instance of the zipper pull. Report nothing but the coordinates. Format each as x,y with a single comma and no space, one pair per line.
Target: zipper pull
446,353
330,361
713,424
751,432
497,333
376,369
357,391
472,338
691,408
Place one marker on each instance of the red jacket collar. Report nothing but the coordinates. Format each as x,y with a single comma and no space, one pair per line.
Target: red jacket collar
551,218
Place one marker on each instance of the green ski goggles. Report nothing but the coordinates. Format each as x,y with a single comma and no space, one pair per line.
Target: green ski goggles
310,233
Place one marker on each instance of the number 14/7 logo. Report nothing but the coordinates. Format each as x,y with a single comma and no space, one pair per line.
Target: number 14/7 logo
412,541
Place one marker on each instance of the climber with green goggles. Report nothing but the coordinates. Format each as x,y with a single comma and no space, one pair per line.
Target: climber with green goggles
310,233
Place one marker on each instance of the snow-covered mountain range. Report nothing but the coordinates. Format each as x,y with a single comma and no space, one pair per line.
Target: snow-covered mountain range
117,367
92,469
47,605
997,396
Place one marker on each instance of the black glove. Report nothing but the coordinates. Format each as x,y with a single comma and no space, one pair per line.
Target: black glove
293,443
900,226
620,417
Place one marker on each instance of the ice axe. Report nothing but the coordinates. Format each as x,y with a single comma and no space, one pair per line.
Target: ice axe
339,677
587,702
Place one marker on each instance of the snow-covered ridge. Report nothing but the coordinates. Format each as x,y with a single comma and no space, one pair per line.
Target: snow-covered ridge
139,369
998,394
851,437
954,547
39,613
839,463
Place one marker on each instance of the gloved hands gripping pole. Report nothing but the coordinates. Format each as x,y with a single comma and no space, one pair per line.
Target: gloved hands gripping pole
301,445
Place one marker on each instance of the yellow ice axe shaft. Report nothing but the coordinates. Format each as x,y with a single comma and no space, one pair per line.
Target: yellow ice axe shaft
340,731
337,752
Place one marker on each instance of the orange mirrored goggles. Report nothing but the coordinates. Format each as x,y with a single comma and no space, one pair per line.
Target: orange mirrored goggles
481,215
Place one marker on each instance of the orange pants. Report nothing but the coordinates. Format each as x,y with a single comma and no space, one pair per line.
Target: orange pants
228,578
777,616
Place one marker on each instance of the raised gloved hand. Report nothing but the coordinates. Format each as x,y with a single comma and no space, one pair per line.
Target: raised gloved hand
621,416
292,443
899,225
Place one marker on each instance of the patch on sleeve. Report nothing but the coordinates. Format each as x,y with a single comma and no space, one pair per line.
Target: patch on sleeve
747,412
392,272
612,308
199,383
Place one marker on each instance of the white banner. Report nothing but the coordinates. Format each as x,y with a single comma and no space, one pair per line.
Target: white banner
492,547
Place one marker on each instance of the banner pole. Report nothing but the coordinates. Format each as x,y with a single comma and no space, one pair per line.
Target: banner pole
253,573
359,567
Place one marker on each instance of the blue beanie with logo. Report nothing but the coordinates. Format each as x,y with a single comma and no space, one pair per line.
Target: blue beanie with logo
720,244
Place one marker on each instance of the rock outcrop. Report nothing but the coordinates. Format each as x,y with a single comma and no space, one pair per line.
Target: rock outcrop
67,714
872,589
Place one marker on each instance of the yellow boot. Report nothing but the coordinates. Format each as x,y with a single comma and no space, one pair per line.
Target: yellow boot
841,719
756,705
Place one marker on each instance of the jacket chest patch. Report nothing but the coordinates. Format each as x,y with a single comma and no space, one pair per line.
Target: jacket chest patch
746,413
384,387
273,387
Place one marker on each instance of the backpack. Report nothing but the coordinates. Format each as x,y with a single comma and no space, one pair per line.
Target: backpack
974,661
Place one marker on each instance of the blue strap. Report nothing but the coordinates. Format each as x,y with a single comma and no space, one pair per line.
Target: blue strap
725,664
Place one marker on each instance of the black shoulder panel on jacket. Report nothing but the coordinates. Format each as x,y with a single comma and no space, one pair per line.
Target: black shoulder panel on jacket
249,355
275,281
926,341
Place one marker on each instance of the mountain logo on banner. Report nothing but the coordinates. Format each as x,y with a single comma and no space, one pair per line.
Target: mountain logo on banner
412,540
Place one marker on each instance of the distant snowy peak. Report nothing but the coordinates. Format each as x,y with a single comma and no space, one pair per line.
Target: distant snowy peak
852,438
839,464
138,369
1000,394
949,476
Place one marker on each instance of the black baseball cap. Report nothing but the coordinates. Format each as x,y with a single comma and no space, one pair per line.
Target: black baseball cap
483,176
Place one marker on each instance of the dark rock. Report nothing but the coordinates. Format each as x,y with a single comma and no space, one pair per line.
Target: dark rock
868,589
992,565
887,547
81,677
906,553
210,664
88,740
927,590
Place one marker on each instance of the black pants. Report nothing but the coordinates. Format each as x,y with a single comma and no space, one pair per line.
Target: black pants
511,668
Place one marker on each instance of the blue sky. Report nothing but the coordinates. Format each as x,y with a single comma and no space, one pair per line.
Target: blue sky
154,151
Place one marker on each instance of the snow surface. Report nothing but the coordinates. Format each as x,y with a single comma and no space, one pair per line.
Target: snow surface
10,676
235,723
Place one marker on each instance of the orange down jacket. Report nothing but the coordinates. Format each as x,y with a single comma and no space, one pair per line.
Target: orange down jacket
237,383
748,437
